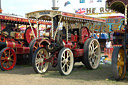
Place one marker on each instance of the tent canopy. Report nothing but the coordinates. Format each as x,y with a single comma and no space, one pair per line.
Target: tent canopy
117,5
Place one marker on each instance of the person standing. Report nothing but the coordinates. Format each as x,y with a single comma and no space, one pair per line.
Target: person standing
108,48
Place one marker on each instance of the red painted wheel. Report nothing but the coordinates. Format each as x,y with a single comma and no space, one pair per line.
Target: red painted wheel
7,58
85,34
29,34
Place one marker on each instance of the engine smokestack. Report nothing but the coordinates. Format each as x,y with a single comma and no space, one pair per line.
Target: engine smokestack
0,7
55,5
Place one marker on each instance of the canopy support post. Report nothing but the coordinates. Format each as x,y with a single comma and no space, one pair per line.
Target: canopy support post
125,38
52,28
37,29
31,28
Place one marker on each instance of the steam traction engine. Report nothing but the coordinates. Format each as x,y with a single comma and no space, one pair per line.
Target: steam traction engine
66,42
13,42
120,53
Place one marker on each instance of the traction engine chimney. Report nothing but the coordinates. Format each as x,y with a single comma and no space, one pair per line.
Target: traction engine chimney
0,7
55,5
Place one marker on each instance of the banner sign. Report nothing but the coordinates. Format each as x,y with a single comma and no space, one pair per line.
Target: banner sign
95,10
112,25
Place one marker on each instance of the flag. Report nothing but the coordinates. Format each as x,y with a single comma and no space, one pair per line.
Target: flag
99,0
66,3
91,1
82,1
81,11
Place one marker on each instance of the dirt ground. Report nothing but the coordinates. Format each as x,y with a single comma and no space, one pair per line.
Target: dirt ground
25,75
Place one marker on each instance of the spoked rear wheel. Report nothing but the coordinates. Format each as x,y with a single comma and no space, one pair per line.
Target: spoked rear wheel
92,53
65,61
7,58
39,63
118,64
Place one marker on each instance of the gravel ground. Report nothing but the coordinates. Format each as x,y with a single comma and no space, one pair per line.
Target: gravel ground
25,75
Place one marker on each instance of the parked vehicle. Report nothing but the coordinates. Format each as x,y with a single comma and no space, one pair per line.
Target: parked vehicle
66,42
14,43
120,52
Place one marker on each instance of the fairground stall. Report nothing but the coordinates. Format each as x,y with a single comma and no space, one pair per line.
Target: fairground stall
66,42
15,43
119,56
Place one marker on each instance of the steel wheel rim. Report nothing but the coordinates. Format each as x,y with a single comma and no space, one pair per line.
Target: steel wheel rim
8,59
94,53
40,63
66,61
120,62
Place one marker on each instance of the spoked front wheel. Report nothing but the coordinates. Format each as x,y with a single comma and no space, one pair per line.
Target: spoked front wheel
65,61
39,61
7,58
118,64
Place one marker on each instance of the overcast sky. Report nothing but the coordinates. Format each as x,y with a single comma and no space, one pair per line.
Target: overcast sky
20,7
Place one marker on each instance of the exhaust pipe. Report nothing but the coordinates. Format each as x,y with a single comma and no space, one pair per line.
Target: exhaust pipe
0,7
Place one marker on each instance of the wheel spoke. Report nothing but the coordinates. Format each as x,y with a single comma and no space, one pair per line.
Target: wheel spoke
90,57
120,71
96,56
11,59
63,67
121,63
42,66
5,53
90,53
95,61
37,65
91,48
68,65
3,62
63,55
62,61
9,53
90,62
2,58
96,47
118,63
40,55
37,61
68,55
7,64
93,45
